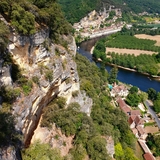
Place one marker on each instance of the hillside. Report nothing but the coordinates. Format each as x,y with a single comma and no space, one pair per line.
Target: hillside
54,103
76,10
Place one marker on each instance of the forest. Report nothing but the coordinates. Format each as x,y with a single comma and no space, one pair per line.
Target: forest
103,122
28,16
76,10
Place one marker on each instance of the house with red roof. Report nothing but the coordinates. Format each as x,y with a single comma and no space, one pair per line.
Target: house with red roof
148,156
124,107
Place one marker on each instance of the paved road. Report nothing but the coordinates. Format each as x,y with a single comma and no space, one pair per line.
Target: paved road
104,32
148,105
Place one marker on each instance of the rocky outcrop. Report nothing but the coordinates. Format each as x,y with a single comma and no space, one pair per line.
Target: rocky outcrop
55,138
84,101
9,153
64,80
5,74
40,60
34,40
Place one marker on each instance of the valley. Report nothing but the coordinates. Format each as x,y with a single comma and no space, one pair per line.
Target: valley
56,104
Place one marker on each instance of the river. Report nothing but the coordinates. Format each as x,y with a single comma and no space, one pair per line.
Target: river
136,79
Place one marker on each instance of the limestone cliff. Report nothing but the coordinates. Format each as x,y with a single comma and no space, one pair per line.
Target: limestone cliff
37,56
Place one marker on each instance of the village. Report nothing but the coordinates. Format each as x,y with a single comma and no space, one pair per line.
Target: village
99,23
137,117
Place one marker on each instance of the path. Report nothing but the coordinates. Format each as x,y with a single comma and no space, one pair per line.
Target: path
149,106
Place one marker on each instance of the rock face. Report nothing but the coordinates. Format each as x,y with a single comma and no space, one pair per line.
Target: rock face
57,75
55,138
5,76
9,153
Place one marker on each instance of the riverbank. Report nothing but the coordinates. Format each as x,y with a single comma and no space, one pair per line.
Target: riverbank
144,82
157,78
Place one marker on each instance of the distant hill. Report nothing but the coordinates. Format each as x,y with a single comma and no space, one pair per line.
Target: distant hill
137,6
76,9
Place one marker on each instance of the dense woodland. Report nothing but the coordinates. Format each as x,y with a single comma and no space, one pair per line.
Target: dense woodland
105,120
27,16
75,10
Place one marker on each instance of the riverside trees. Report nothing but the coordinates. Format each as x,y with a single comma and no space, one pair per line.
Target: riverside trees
143,63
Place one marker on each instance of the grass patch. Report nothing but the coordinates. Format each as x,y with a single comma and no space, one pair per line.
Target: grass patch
149,124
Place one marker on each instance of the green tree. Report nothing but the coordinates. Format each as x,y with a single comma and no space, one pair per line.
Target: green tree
8,133
22,20
41,151
129,154
79,152
133,99
96,149
143,96
4,31
119,153
156,106
152,94
133,89
113,75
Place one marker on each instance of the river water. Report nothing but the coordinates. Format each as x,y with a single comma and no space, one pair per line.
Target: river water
136,79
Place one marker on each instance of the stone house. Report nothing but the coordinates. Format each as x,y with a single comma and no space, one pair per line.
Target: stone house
119,90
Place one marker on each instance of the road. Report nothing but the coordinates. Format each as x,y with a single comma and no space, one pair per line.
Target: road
148,105
104,32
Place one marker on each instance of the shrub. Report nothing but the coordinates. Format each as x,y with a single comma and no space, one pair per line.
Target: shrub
49,75
35,79
75,93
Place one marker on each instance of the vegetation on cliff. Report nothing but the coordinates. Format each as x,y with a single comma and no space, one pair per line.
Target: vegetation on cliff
29,15
3,37
41,151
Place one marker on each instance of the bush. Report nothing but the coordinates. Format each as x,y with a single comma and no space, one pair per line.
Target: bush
27,87
75,93
49,75
35,79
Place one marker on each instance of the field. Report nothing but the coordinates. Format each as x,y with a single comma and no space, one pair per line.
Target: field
144,36
136,52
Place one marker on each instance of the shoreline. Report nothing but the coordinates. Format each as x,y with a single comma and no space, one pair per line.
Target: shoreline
154,77
157,78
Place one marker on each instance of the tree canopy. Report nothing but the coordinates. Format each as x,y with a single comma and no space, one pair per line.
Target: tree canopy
28,16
